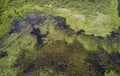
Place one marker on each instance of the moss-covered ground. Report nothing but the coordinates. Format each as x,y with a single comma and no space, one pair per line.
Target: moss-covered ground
59,38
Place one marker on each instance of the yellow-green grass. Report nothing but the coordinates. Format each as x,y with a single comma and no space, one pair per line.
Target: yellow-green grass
91,23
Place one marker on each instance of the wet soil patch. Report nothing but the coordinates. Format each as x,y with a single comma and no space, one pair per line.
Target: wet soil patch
61,22
115,34
3,54
10,16
15,27
101,61
37,33
80,32
34,19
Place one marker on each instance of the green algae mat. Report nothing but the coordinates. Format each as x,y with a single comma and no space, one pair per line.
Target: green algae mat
59,38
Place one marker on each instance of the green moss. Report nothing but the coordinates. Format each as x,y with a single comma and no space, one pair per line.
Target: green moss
79,15
111,73
86,8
